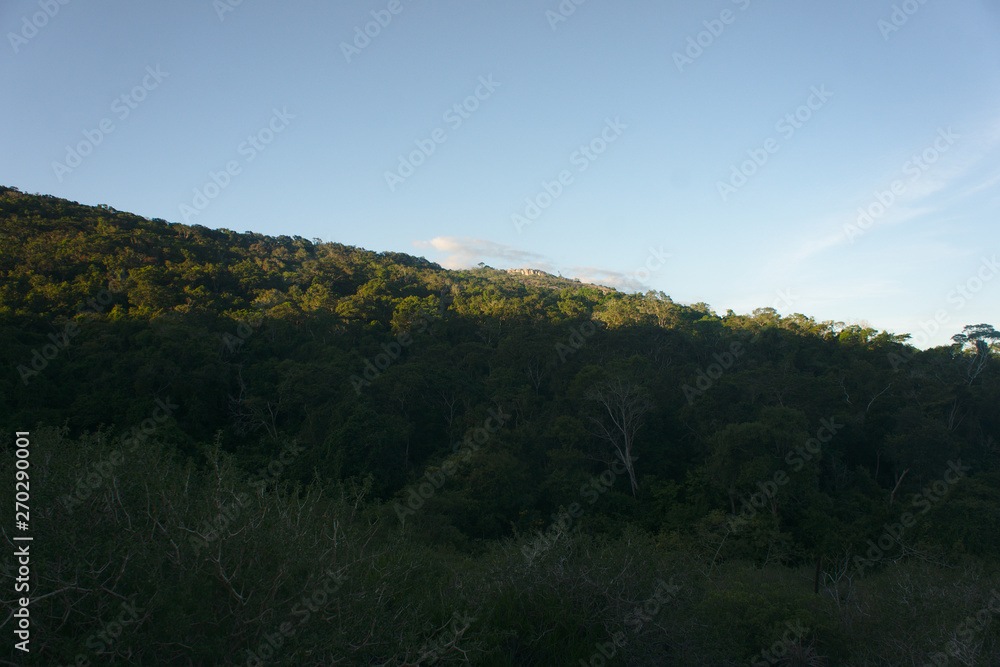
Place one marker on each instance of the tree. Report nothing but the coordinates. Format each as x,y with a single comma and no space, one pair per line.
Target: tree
625,405
979,337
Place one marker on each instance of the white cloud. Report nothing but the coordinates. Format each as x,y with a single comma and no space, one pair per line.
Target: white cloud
464,253
617,279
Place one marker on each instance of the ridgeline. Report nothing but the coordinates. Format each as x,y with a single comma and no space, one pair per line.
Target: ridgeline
286,451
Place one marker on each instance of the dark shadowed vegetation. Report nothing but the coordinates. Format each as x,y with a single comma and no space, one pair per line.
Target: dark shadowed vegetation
293,452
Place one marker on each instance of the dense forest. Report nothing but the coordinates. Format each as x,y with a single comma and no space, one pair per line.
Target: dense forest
258,450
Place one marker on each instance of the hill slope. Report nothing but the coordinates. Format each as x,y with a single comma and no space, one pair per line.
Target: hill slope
455,410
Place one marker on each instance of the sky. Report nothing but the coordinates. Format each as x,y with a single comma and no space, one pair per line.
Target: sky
836,159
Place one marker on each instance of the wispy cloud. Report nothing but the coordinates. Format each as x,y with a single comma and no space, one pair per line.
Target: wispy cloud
930,193
617,279
463,253
814,245
985,185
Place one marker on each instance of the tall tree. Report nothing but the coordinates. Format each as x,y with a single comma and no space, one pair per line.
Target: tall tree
624,406
979,337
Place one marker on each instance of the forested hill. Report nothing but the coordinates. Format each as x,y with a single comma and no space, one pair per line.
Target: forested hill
514,397
376,362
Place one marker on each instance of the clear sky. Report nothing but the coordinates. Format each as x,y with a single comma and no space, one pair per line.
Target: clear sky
717,151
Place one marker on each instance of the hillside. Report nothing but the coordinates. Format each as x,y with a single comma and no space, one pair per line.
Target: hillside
227,423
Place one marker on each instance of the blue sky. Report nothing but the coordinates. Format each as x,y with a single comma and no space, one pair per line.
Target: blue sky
718,151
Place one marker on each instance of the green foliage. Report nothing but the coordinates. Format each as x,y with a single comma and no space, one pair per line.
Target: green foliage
378,368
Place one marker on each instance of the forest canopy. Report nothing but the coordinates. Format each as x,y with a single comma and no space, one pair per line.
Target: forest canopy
477,421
